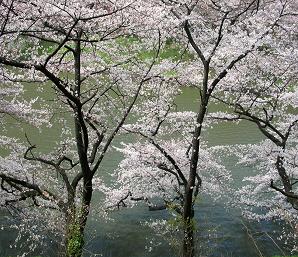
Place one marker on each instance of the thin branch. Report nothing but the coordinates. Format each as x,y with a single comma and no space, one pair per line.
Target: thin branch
163,167
219,37
46,194
76,180
289,195
193,43
252,239
6,18
103,14
161,122
165,154
100,137
120,124
57,81
55,165
115,131
225,71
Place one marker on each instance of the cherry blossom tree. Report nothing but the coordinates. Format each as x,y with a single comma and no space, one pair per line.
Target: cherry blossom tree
220,35
15,109
88,55
266,94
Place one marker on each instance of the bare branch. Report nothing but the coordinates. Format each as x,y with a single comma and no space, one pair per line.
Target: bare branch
219,37
290,195
10,8
46,194
225,71
165,154
193,43
126,113
60,45
57,81
163,167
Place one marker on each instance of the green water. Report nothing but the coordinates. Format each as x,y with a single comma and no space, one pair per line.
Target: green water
125,237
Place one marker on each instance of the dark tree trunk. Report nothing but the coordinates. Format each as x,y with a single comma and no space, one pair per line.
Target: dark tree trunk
188,240
188,211
286,182
75,229
283,174
77,223
74,238
86,201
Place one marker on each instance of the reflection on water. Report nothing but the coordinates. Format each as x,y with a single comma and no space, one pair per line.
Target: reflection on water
126,237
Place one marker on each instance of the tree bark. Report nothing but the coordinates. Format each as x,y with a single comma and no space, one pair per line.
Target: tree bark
188,211
286,182
74,238
86,202
77,222
283,174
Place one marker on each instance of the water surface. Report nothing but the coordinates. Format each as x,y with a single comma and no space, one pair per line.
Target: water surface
220,228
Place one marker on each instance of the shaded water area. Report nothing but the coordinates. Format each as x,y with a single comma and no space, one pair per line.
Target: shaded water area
220,229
